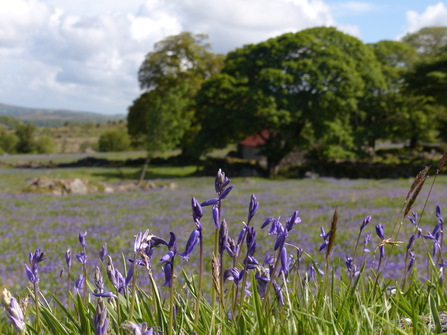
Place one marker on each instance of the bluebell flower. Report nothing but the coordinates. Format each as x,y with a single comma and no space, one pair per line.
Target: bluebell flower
68,258
216,216
79,284
242,234
325,237
365,222
103,252
210,202
226,192
284,262
167,268
105,295
292,221
82,258
278,294
366,241
380,231
192,242
82,239
100,321
252,208
412,260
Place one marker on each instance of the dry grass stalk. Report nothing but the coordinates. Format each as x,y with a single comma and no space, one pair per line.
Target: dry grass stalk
421,176
215,274
332,235
414,196
442,162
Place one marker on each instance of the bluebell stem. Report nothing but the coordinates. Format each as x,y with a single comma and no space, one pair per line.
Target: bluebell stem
13,311
412,260
252,208
103,252
325,237
192,242
82,239
100,321
216,216
279,294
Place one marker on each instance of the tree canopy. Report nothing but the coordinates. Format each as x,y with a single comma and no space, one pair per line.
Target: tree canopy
303,88
180,63
428,41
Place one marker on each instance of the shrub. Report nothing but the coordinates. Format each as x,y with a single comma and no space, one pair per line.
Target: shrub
8,142
113,140
25,133
45,145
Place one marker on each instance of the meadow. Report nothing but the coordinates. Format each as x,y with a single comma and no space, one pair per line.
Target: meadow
37,221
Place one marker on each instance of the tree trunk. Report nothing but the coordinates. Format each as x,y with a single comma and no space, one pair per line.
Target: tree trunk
143,172
413,142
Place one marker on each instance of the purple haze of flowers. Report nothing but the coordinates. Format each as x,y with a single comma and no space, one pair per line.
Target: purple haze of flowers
216,216
252,208
82,239
192,242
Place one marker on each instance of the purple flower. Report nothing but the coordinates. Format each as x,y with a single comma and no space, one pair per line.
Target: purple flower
241,234
412,260
82,258
68,258
210,202
197,211
411,242
216,216
226,192
267,222
278,294
192,242
284,262
103,252
140,329
382,251
252,208
172,244
100,320
105,295
137,243
293,220
79,284
32,278
221,181
233,274
13,311
325,238
168,256
366,241
223,237
167,268
380,231
82,239
365,222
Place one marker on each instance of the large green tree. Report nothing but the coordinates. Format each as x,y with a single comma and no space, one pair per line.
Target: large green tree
428,41
301,87
162,117
181,60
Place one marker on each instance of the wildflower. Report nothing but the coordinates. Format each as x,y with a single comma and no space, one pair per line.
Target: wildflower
252,208
197,211
79,284
225,193
278,294
192,242
284,262
105,295
325,238
216,216
365,242
380,231
100,321
33,270
412,259
82,239
251,240
82,258
210,202
68,258
167,268
262,280
241,234
223,237
140,329
221,182
365,222
292,221
103,252
13,311
233,274
32,278
99,281
168,256
411,242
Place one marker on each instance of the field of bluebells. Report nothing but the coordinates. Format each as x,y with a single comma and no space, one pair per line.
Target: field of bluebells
314,256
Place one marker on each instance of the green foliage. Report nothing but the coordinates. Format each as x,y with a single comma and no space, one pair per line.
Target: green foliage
428,41
45,145
176,68
113,140
8,142
25,133
310,79
9,121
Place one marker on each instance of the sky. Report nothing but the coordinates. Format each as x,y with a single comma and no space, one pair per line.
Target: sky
85,54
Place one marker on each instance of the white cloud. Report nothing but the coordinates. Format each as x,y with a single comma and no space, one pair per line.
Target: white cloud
85,54
435,15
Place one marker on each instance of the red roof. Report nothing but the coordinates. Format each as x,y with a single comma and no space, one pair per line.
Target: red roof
255,139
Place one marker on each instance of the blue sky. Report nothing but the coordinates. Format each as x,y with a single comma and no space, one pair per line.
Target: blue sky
85,54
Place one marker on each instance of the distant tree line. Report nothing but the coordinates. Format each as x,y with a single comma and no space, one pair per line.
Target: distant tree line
24,140
318,89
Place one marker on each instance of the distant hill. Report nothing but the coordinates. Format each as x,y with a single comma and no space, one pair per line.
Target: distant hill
54,117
